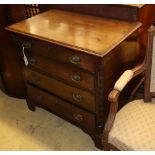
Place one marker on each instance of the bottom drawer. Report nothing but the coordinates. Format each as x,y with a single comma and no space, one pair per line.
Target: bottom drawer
61,107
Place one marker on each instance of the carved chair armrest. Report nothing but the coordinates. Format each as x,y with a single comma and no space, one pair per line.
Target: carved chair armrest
113,97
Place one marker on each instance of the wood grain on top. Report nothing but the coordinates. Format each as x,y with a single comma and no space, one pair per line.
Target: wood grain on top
135,5
90,34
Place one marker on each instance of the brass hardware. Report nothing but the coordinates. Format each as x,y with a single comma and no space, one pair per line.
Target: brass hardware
77,97
76,78
26,44
74,59
78,117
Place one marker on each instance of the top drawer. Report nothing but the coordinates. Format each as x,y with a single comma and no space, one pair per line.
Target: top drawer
57,52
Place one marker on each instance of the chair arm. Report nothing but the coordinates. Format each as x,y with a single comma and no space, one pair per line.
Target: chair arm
123,80
128,75
113,97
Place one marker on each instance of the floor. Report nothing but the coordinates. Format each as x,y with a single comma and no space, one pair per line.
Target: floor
22,129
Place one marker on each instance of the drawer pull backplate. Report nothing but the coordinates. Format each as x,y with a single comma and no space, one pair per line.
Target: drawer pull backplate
77,97
78,117
76,78
74,59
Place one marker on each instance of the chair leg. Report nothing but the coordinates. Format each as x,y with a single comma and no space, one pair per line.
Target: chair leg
105,143
30,105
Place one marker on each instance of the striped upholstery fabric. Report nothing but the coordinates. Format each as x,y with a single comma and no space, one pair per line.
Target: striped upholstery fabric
134,127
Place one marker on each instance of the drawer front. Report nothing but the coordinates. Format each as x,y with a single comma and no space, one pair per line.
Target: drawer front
61,107
82,98
59,53
71,74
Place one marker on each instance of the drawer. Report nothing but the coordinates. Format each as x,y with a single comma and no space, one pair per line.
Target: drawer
59,53
69,73
77,96
61,107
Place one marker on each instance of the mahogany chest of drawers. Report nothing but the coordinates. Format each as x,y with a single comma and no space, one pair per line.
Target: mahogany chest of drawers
71,63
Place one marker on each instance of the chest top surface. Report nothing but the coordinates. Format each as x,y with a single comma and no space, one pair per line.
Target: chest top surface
135,5
90,34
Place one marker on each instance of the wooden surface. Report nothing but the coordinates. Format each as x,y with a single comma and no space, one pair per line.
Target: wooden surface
113,11
86,33
128,12
102,49
87,100
149,90
59,53
10,14
62,108
74,44
10,66
135,5
71,74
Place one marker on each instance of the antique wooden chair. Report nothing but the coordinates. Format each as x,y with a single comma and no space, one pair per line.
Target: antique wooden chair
149,91
133,126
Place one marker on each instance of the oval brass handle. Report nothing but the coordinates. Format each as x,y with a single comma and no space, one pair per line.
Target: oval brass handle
74,59
77,97
26,44
76,78
33,61
78,117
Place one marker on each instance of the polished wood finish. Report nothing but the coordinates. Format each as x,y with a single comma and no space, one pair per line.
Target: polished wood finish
92,35
126,12
58,53
135,5
13,85
10,67
62,108
72,74
145,13
70,43
42,61
75,95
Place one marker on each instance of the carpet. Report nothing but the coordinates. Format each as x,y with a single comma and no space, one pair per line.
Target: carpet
24,130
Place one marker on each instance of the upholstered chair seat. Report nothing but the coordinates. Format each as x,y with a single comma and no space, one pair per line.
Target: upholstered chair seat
134,127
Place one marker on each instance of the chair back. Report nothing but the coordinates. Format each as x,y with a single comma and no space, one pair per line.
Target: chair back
149,84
